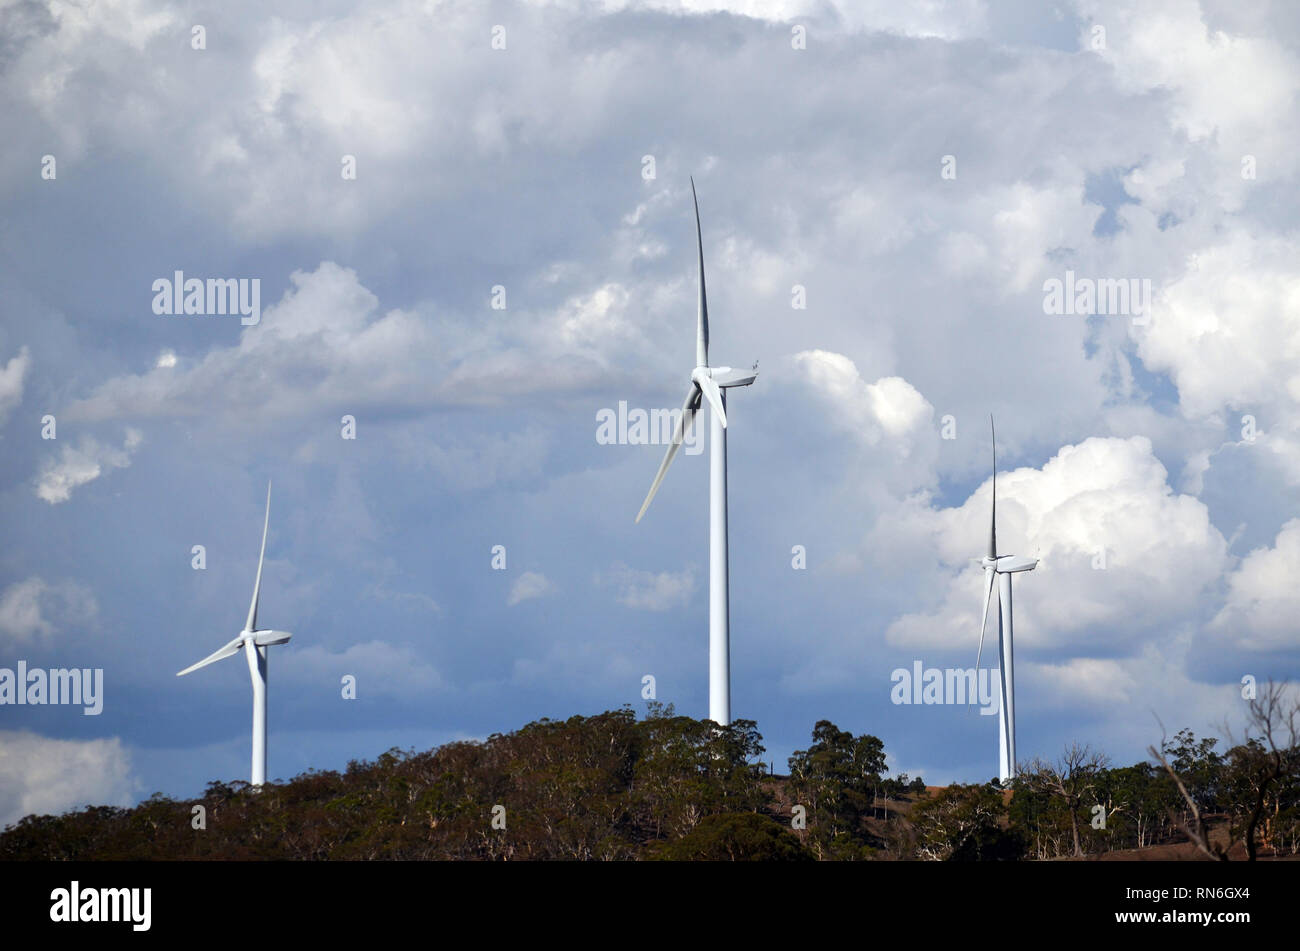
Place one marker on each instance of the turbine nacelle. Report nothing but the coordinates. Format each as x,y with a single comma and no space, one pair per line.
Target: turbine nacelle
268,638
727,377
1008,564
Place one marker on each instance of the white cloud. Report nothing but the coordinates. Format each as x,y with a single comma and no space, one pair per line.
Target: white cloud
1120,703
322,339
600,314
11,382
889,408
1220,82
949,19
648,590
529,585
40,775
1227,330
325,344
1263,602
1027,221
890,425
1104,495
1080,683
83,463
34,609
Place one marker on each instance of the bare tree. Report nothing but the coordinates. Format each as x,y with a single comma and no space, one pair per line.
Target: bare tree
1268,754
1192,822
1070,779
1261,761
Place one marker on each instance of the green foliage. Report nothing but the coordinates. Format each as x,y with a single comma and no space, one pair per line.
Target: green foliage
966,824
1135,807
612,787
1199,766
1080,800
688,769
599,787
837,780
735,837
1261,786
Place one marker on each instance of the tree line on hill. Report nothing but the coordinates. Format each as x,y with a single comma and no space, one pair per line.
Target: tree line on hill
669,787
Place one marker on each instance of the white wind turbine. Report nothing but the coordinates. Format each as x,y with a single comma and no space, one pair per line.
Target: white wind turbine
1002,567
709,383
254,644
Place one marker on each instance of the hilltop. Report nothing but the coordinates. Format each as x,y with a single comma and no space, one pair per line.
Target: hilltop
614,787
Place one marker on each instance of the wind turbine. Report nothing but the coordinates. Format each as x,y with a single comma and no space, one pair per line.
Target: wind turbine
710,383
254,644
1002,567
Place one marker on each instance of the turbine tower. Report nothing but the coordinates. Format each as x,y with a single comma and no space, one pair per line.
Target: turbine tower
710,383
254,644
1001,568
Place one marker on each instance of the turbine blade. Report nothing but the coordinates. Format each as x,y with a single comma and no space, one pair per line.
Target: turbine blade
228,651
984,622
251,624
702,325
714,395
689,409
269,638
993,520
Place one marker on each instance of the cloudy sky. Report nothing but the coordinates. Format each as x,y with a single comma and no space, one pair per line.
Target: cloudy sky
913,174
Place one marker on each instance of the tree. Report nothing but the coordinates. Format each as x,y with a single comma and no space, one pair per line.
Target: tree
1198,764
1137,799
736,837
836,778
965,823
687,769
1072,779
1259,768
1260,772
